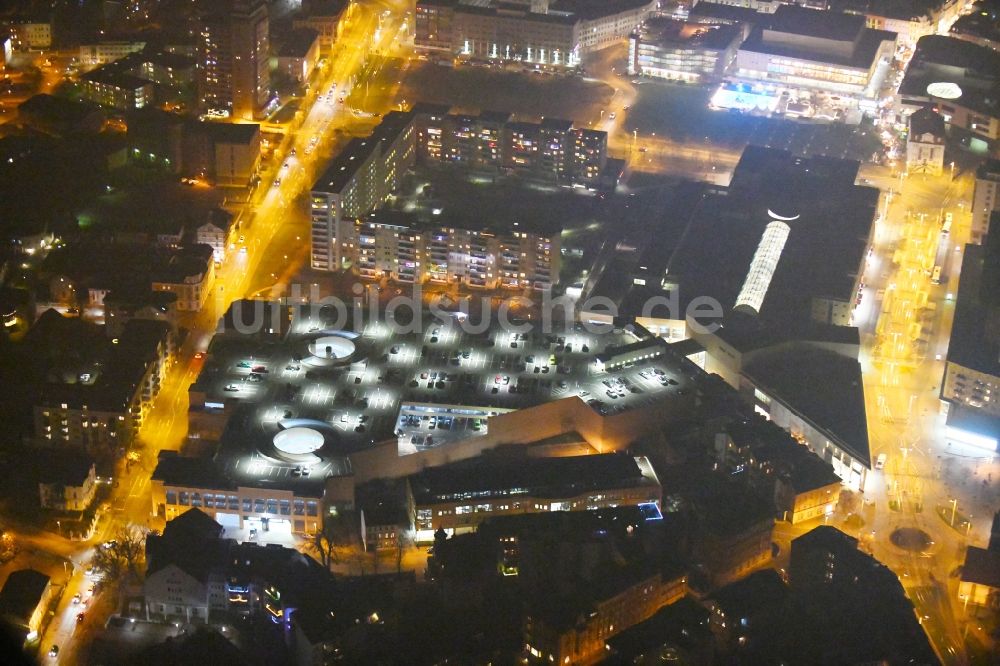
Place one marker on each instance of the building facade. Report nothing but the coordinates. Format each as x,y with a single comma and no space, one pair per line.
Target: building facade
400,248
217,234
925,143
484,33
262,509
600,29
599,481
25,599
529,33
971,380
325,19
667,49
363,176
102,53
359,180
70,488
234,58
985,198
103,412
189,275
585,641
960,80
299,55
196,575
813,50
116,90
31,35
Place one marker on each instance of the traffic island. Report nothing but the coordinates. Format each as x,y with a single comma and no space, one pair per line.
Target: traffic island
910,538
955,519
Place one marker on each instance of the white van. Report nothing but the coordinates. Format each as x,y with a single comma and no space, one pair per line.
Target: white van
880,461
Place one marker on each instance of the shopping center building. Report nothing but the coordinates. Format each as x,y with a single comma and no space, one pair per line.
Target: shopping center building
970,390
296,409
460,496
810,50
759,270
958,79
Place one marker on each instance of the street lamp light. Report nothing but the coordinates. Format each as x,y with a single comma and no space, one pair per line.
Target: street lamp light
954,507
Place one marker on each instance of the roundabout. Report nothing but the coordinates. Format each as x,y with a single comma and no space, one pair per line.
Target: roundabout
912,539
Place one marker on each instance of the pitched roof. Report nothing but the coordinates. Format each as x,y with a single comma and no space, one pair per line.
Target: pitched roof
192,523
982,567
926,121
68,468
756,591
22,592
823,387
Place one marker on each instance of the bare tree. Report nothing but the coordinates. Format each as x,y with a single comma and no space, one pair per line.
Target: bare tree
123,556
357,557
403,542
8,546
336,534
848,502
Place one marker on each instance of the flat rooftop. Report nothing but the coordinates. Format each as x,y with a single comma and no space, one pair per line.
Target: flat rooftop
822,386
896,9
711,11
829,220
975,342
301,404
862,55
819,24
594,9
655,220
345,165
975,69
702,239
237,133
983,22
492,476
665,31
297,43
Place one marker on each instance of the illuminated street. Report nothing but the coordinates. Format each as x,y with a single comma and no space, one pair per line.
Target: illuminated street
275,223
359,416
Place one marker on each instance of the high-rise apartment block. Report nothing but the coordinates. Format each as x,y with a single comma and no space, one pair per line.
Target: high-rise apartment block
233,59
399,246
406,249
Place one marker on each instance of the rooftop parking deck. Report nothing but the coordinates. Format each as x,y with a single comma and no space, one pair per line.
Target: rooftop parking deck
429,383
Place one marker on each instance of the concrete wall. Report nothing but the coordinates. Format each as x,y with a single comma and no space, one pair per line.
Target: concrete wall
605,434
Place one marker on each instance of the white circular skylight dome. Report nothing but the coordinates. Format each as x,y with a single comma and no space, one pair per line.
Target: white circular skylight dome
944,90
298,441
331,347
